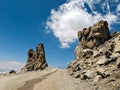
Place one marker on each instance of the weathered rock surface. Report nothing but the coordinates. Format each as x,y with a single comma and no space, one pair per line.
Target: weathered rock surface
95,35
36,59
97,57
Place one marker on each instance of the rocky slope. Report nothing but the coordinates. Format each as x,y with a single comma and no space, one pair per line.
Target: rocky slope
97,57
36,59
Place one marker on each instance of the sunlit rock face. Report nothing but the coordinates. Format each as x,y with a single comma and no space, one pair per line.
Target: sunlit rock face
36,59
94,35
97,57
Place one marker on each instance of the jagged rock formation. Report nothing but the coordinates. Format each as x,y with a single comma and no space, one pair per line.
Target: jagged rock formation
97,57
36,59
95,35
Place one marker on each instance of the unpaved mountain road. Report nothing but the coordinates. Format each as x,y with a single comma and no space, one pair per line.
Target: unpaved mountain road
48,79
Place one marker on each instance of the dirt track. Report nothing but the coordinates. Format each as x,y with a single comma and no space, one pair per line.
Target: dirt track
49,79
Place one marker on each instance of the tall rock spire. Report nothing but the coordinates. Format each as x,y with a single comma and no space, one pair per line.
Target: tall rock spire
36,59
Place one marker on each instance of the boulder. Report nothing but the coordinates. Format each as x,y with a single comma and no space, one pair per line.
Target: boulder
102,60
102,71
96,53
83,77
115,55
97,78
12,72
88,74
87,53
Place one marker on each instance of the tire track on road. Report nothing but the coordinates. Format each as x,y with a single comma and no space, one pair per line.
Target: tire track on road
29,85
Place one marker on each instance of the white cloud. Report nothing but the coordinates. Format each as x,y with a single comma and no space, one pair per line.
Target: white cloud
73,16
6,66
118,7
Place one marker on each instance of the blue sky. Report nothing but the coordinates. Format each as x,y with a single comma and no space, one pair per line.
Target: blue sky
25,23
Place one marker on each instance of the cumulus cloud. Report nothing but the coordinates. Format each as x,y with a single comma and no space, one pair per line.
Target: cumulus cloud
6,66
118,7
74,15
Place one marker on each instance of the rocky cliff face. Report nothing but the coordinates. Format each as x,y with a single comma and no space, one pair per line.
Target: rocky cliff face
36,59
97,57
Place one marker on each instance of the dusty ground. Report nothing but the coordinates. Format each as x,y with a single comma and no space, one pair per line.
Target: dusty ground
49,79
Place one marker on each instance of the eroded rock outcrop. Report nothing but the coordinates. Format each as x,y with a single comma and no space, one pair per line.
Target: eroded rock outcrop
36,59
95,35
97,57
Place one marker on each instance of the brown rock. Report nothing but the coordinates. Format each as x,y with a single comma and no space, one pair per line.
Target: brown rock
77,74
88,74
117,43
78,50
118,62
103,72
115,55
97,56
95,35
96,53
83,77
97,78
87,53
102,60
36,59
